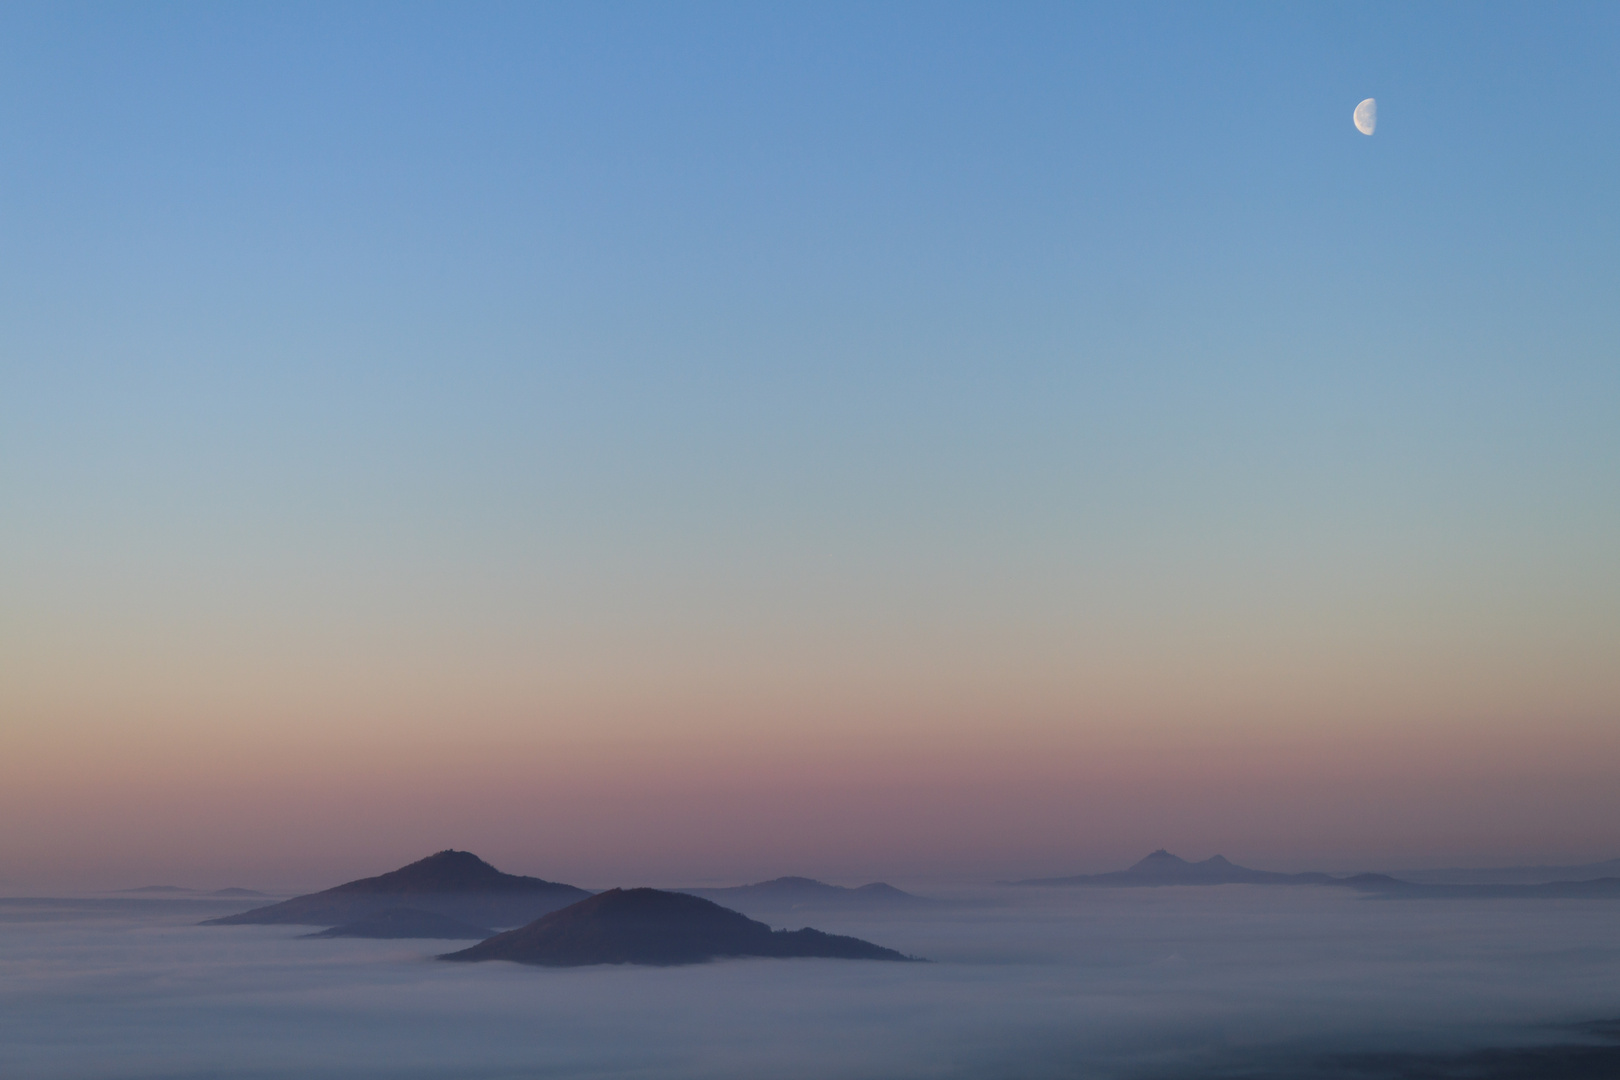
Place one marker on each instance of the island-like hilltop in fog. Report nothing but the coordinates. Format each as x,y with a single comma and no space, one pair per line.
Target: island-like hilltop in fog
454,885
650,926
1163,868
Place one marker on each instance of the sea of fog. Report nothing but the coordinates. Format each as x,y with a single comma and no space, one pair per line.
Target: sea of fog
1031,983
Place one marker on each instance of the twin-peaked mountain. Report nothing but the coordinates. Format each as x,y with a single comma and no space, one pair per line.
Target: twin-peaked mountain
456,885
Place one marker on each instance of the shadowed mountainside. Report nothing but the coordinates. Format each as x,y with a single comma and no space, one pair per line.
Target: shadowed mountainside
403,922
455,884
650,926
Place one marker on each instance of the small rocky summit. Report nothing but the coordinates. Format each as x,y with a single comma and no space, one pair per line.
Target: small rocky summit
650,926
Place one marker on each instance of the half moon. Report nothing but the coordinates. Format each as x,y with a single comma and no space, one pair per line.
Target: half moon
1367,116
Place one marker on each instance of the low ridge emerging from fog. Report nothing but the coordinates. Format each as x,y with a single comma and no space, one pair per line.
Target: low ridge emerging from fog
1163,868
788,893
650,926
455,884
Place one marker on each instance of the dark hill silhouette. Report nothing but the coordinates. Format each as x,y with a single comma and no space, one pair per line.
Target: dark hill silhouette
1163,868
403,922
788,893
457,884
650,926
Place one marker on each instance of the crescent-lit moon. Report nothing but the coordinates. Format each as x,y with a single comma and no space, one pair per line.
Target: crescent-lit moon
1367,116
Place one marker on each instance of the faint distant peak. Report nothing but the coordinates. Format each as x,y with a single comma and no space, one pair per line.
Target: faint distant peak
1163,868
797,891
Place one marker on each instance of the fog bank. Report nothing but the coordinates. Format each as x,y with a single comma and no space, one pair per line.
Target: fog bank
1170,982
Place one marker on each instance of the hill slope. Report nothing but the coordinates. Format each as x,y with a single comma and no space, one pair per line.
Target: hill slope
401,922
649,926
456,884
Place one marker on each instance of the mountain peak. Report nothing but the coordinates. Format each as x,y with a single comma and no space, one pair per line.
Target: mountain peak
651,926
444,871
456,884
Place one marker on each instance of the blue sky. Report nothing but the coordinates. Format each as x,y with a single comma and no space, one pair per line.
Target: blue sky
904,347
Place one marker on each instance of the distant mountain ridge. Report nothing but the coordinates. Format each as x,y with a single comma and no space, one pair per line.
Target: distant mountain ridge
455,884
788,893
651,926
1163,868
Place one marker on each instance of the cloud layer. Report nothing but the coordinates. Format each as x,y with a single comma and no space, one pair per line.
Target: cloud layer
1126,983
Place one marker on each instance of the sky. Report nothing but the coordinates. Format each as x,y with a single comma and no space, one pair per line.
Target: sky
651,443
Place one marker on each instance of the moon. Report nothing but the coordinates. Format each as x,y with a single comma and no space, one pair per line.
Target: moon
1367,116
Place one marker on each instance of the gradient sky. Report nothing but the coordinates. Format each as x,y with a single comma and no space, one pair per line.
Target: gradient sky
663,443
